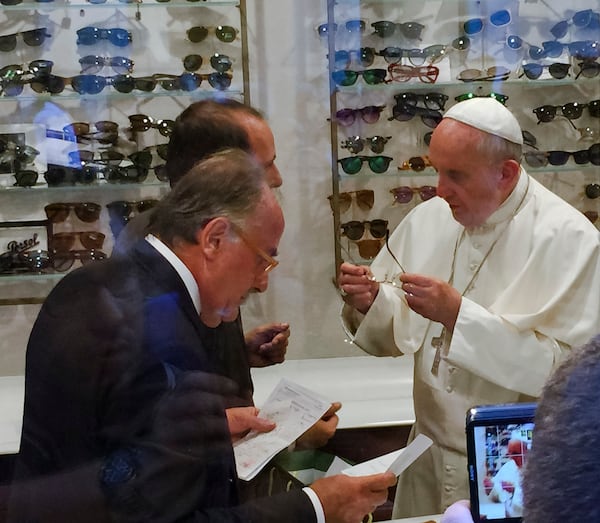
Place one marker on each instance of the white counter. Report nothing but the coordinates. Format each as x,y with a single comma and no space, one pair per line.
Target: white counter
374,392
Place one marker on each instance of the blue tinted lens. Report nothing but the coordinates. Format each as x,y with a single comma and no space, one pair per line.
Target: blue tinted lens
119,37
514,42
582,18
473,26
88,84
559,30
533,70
87,35
536,53
552,48
500,18
189,81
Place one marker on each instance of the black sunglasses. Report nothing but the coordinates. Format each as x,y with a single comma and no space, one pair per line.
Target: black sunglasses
405,112
63,261
369,114
225,33
142,123
435,101
33,37
355,230
346,77
356,144
557,70
86,211
385,28
571,111
543,158
365,56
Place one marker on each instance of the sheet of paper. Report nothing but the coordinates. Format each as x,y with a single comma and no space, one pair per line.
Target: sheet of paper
294,409
396,461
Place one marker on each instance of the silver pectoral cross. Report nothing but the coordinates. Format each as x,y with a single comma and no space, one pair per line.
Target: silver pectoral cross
438,343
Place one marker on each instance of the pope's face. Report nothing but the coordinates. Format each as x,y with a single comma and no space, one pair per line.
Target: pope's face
467,181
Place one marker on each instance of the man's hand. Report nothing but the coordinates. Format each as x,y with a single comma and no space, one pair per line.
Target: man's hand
322,431
267,344
358,288
432,298
242,420
348,499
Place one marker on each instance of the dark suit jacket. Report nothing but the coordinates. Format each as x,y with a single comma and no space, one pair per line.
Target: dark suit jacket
106,365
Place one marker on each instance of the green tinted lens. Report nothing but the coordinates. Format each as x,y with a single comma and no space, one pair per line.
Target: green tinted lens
225,33
374,76
351,165
197,34
379,164
344,77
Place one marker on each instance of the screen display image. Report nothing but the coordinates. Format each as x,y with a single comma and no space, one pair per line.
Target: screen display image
501,453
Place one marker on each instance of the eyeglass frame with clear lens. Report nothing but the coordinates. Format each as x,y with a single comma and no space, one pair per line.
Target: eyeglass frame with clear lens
427,74
267,258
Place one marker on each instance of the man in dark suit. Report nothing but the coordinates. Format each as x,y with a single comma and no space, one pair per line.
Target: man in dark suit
124,416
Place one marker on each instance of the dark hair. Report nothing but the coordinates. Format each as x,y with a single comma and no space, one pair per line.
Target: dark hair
202,129
561,484
229,183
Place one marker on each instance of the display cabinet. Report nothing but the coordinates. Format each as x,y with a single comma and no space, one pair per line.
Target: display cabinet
89,91
395,66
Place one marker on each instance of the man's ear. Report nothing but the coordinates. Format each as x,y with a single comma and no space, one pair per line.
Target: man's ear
211,237
510,173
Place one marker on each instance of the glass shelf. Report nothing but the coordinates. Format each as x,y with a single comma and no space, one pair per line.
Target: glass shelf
142,4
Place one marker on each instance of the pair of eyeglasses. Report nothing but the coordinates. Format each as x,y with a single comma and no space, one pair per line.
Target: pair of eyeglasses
269,262
354,230
346,77
385,29
586,18
403,73
63,261
557,70
143,123
33,38
404,112
432,100
219,62
92,64
64,241
404,194
571,110
352,26
592,190
115,173
353,164
355,144
588,69
123,210
365,56
369,114
581,157
491,74
86,211
25,178
92,35
225,33
416,163
497,19
364,198
502,98
107,132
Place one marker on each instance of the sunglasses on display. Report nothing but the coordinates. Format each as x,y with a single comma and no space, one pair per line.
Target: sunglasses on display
354,230
92,35
543,158
588,69
35,67
529,139
556,70
432,53
571,111
64,241
347,77
81,157
225,33
93,64
410,30
435,101
588,133
353,164
25,178
24,261
86,211
364,198
405,112
143,123
57,175
123,210
491,74
12,152
581,19
107,132
498,19
404,194
63,261
403,73
365,56
502,98
416,163
356,144
219,62
352,26
592,190
369,114
33,38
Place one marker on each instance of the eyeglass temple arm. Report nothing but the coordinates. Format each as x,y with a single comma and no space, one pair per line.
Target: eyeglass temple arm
387,246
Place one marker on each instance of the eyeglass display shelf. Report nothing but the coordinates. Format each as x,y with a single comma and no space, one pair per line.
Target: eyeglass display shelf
101,185
39,6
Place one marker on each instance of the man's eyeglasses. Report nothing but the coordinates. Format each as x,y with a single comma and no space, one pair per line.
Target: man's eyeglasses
356,144
403,113
557,70
404,194
364,198
435,101
385,28
346,77
270,262
491,74
497,19
369,114
352,164
403,73
225,33
92,35
33,37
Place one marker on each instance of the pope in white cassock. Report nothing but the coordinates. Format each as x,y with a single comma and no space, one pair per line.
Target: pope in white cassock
490,285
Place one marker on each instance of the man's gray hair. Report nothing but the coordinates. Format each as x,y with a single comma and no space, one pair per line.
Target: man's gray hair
229,183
